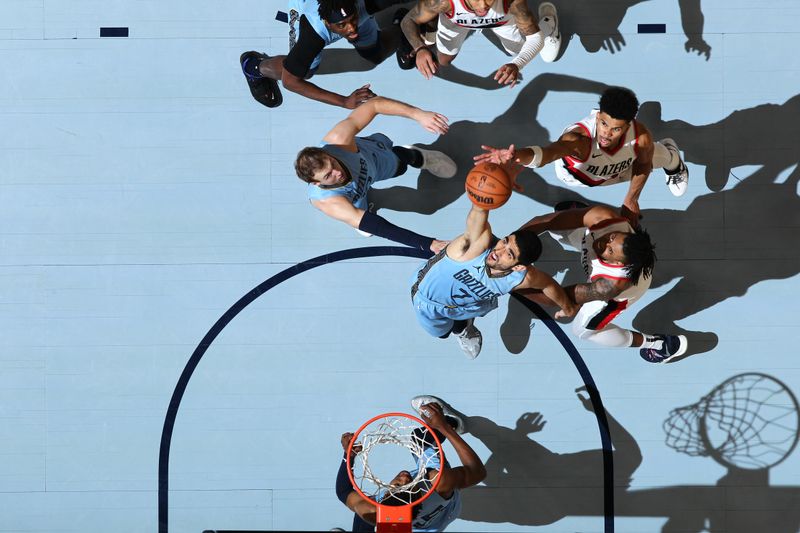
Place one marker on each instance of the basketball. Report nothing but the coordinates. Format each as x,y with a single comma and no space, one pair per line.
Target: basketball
488,186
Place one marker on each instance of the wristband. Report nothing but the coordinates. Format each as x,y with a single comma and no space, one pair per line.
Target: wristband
536,162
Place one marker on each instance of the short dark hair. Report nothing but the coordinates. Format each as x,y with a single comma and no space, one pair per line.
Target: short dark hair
640,255
409,496
530,247
619,103
309,160
328,7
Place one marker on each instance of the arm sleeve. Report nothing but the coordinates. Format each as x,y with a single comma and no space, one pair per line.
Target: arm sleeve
531,47
343,485
309,45
377,225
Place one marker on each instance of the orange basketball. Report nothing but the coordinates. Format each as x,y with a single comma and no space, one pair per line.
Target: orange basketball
488,185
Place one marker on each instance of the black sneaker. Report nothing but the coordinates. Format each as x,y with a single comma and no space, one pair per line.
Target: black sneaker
264,90
569,204
403,54
672,346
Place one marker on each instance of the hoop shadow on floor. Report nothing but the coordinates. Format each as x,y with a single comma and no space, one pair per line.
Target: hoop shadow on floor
749,424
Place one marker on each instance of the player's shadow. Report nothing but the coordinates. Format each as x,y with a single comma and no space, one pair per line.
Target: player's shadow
718,248
749,424
528,484
464,139
596,24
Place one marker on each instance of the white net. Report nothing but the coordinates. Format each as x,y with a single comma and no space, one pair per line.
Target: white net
389,446
750,421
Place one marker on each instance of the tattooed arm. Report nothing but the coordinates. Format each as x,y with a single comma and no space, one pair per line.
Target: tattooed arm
425,11
508,74
526,21
602,289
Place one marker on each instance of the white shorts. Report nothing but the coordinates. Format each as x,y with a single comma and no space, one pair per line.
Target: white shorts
450,36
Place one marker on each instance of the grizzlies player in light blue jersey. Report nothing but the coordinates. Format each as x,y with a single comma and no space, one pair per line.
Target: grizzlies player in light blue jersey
340,173
313,25
464,280
444,505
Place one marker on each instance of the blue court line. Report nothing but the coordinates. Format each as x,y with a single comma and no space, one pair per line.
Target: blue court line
343,255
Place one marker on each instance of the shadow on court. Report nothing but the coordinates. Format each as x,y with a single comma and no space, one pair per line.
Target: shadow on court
749,424
721,245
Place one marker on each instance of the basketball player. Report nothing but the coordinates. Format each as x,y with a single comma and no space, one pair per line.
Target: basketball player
618,261
512,22
464,280
607,147
444,505
313,25
340,173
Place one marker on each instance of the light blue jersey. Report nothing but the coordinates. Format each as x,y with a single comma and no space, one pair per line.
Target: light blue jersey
445,290
373,162
367,27
436,512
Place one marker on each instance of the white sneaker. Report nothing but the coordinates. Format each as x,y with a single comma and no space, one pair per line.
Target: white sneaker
453,417
678,180
470,340
435,162
548,23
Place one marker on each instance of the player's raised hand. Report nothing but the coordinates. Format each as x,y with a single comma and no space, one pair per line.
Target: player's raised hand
508,74
434,122
425,63
346,438
433,416
358,97
498,156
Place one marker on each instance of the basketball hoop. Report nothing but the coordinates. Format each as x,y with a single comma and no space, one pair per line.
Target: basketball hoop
386,441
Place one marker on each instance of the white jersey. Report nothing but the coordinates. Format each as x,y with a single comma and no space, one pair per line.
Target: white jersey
597,268
602,167
497,15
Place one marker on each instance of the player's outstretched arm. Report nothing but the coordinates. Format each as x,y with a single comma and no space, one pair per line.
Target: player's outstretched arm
472,470
315,92
569,219
600,289
341,209
508,74
476,236
536,279
344,133
569,144
642,167
344,488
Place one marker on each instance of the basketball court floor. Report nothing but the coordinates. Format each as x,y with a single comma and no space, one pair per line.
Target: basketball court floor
175,359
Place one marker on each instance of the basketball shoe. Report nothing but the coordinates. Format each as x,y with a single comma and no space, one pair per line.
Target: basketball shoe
470,340
437,163
548,23
264,90
678,179
672,346
453,417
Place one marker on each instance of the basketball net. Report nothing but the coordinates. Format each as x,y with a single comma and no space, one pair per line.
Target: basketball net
394,501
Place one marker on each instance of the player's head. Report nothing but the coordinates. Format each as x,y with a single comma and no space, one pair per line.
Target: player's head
408,495
341,16
640,254
618,108
634,250
480,7
316,166
515,252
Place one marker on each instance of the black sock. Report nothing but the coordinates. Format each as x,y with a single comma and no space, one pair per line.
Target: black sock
459,327
408,156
